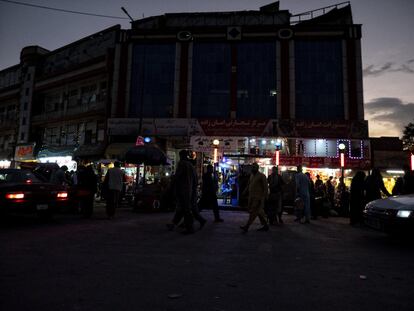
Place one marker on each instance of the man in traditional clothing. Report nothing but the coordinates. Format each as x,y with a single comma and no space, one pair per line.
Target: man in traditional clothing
258,192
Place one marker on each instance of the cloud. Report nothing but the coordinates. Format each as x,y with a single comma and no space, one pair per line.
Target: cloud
388,67
389,115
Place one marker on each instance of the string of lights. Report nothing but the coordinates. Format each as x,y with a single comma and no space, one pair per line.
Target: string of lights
62,10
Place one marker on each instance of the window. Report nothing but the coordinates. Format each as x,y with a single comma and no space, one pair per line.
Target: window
88,137
25,105
24,121
52,102
256,80
356,149
88,94
27,91
211,80
318,74
53,135
152,80
71,136
22,136
73,98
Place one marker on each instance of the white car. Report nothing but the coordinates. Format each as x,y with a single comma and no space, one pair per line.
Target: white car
391,214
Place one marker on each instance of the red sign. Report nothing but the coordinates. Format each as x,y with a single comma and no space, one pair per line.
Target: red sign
217,127
139,141
24,152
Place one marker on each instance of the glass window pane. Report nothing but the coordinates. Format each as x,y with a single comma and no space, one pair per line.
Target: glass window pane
256,80
318,74
211,80
153,80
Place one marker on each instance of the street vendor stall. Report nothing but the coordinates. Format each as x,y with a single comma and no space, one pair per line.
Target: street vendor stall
150,193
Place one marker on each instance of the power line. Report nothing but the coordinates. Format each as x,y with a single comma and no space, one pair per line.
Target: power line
62,10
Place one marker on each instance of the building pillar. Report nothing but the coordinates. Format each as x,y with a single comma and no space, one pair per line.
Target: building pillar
285,81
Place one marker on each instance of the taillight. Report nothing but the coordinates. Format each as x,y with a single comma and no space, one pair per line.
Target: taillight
62,195
15,196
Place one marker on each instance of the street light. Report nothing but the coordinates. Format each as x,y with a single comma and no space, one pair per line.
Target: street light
216,142
278,146
341,148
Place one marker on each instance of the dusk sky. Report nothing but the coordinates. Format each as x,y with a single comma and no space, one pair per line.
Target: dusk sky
387,40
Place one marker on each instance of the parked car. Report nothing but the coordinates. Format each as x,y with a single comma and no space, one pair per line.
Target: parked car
392,214
22,191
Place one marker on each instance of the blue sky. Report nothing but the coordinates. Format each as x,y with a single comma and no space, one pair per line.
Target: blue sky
387,43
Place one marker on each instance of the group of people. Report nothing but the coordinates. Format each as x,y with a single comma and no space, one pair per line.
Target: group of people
85,183
261,192
264,195
365,189
184,184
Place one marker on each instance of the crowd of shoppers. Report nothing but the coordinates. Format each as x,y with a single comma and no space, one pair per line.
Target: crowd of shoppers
264,195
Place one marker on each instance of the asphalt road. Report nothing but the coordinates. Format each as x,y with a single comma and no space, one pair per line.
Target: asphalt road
134,263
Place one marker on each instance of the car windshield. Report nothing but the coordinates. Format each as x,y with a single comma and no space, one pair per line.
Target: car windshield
18,176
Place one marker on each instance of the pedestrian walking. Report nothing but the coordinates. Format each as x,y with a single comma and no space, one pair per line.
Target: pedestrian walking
185,191
275,208
312,196
330,192
320,198
374,185
257,195
302,193
87,186
114,180
357,201
209,192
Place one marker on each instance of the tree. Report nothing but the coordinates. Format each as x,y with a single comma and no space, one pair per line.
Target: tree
408,137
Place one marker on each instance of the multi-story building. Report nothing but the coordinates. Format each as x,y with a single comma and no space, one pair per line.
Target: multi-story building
253,80
63,98
9,104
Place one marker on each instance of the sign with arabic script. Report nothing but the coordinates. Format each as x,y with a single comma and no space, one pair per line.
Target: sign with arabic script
24,152
218,127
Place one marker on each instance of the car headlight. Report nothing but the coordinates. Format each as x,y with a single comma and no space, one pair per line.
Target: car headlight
368,207
403,214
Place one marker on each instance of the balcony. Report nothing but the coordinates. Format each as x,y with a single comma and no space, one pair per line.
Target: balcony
80,109
8,124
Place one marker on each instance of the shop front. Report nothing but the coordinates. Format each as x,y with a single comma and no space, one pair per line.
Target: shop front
232,157
61,155
233,145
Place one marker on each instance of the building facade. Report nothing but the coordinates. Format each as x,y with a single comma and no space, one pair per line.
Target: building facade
55,104
253,80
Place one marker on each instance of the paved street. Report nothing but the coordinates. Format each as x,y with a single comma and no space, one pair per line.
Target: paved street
134,263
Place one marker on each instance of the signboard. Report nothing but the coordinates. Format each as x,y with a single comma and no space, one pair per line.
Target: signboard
321,129
221,127
205,143
233,127
24,152
321,162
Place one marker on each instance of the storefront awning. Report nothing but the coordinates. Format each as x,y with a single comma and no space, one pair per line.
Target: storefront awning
117,150
96,150
56,151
